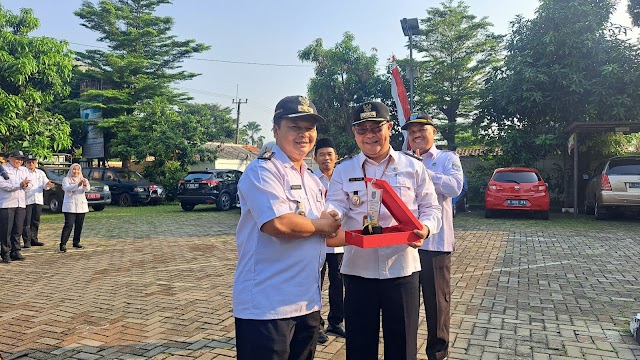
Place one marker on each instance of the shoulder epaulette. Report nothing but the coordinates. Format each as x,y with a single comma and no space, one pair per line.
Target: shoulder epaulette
412,155
268,155
345,158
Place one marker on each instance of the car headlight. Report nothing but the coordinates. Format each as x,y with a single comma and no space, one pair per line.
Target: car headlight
138,189
93,188
105,188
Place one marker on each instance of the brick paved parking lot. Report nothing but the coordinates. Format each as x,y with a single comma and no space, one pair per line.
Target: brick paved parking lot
155,283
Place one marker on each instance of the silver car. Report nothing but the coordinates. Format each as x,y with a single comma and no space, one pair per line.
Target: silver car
614,187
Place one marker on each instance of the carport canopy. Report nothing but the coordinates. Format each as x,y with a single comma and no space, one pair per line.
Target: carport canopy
576,128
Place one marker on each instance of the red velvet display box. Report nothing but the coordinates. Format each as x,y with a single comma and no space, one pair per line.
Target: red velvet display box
394,235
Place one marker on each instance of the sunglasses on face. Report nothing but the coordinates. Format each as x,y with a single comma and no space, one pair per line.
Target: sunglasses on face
363,130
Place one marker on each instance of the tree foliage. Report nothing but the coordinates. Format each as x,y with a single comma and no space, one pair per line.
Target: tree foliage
142,62
561,67
458,51
344,76
252,128
34,71
633,8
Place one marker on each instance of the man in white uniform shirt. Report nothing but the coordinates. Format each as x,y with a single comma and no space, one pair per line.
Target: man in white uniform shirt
325,156
385,279
435,254
12,207
35,200
281,243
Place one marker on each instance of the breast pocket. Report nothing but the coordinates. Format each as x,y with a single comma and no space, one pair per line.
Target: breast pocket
405,190
357,193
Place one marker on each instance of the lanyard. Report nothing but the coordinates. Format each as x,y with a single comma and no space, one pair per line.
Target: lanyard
383,171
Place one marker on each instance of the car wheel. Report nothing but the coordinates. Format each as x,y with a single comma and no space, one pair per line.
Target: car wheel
598,212
589,210
55,205
98,207
224,202
187,206
544,215
124,200
462,204
455,210
489,214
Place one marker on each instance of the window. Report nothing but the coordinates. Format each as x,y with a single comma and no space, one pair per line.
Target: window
199,176
110,176
518,177
629,166
96,175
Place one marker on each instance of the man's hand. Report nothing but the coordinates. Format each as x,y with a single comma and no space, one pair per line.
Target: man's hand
24,183
417,152
330,223
423,234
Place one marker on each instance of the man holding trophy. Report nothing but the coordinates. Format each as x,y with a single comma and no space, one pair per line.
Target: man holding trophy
381,279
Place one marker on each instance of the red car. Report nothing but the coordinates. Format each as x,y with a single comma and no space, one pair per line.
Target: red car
516,189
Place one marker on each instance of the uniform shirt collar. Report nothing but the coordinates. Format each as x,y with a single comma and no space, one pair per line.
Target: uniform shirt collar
392,153
434,151
284,159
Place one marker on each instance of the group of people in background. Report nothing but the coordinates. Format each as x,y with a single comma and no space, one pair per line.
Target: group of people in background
291,217
22,187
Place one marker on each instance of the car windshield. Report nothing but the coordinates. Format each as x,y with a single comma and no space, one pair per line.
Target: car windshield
200,176
624,167
130,176
56,174
518,177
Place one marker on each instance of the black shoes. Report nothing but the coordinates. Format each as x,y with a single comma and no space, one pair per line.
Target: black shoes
337,330
5,260
16,256
63,248
37,243
78,246
322,337
26,246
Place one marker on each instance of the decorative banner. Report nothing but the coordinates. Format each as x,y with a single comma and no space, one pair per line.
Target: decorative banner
571,143
399,93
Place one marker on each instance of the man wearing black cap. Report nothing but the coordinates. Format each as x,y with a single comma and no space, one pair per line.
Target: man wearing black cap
35,200
325,156
281,243
435,254
384,279
12,207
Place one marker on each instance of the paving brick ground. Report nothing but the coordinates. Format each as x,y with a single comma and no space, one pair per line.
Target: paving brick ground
158,287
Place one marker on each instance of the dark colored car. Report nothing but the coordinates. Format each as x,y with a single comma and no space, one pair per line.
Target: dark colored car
614,187
459,203
218,187
127,186
517,189
98,196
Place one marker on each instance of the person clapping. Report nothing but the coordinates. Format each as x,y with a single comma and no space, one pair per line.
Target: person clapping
74,206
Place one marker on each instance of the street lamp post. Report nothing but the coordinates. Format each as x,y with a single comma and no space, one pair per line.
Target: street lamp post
410,27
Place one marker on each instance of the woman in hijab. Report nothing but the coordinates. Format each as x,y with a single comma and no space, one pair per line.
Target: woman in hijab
74,206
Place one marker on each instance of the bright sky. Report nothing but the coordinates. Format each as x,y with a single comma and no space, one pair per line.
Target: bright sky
257,31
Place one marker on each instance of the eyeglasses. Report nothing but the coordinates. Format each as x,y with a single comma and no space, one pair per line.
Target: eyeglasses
362,130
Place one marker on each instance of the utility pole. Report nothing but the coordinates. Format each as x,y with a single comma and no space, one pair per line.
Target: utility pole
239,102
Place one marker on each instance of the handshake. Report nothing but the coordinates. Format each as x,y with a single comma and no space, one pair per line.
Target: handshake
330,223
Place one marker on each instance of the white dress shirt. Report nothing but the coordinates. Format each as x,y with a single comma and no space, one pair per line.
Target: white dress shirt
75,201
325,182
39,181
12,195
277,278
409,179
446,173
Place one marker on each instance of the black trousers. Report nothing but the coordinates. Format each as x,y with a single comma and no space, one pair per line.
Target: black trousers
435,280
399,301
278,339
31,224
11,222
75,221
336,289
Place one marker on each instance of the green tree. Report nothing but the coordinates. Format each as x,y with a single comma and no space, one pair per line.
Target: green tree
34,71
633,8
561,67
344,76
252,128
458,52
142,63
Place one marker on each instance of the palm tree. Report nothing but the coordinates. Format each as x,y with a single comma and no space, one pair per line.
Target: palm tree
252,129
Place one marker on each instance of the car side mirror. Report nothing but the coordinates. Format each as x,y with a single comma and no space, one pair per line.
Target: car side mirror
585,176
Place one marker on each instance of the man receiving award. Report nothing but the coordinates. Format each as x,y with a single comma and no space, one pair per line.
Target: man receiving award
383,279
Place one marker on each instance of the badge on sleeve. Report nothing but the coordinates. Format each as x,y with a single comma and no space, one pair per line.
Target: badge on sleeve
456,166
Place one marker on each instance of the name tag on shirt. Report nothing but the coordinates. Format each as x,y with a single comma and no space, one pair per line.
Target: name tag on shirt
356,179
296,187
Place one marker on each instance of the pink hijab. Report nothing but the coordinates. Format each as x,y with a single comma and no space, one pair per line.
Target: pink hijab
74,180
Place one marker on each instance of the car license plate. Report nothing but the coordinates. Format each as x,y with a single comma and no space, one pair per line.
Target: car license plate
93,196
634,185
192,186
516,202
